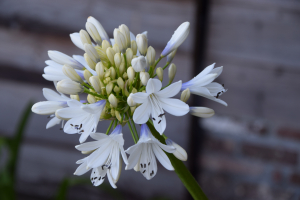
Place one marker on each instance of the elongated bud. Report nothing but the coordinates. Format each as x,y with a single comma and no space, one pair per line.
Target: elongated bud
160,73
117,60
91,51
113,100
202,112
129,56
122,68
116,48
112,73
177,38
144,76
120,83
139,64
100,70
130,101
134,90
47,107
142,43
185,95
109,88
179,153
134,47
99,28
92,30
75,97
107,73
125,76
132,109
89,61
91,99
71,73
151,56
105,45
85,38
120,40
102,54
110,54
171,56
95,82
67,86
125,30
117,114
87,75
131,74
172,72
117,89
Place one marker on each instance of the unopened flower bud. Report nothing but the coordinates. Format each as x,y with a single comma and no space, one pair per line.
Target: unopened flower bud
150,56
109,88
160,73
129,56
105,45
130,101
95,82
107,73
144,76
177,38
117,60
125,76
142,43
92,30
179,153
102,54
171,56
118,116
116,48
202,112
185,95
71,73
108,79
120,40
110,54
91,51
112,73
117,89
75,97
131,74
87,75
134,47
120,83
122,68
91,99
139,64
112,112
99,28
84,37
67,86
172,72
113,100
63,59
134,90
100,70
89,61
132,109
125,30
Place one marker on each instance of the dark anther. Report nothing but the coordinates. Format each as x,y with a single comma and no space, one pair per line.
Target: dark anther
152,173
149,163
103,177
159,121
145,165
161,115
61,129
91,178
153,118
144,171
99,178
71,124
102,167
223,85
218,94
141,165
94,172
80,126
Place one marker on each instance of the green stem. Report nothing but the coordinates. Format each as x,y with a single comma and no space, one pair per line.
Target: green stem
110,125
116,122
94,94
130,128
87,85
181,170
163,69
134,128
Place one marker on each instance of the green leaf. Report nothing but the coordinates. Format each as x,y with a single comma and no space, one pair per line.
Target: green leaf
181,170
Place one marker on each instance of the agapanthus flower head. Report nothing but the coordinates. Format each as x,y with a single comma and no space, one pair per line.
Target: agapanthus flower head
118,79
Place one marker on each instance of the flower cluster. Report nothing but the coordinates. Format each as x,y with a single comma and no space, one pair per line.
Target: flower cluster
118,77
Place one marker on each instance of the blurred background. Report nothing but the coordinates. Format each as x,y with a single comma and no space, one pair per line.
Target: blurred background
248,150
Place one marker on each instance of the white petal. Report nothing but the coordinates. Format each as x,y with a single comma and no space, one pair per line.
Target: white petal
53,64
81,169
47,107
171,90
99,136
153,86
174,106
139,97
214,88
134,157
162,157
74,103
142,113
204,80
54,77
202,91
51,95
53,122
99,157
110,179
90,146
69,112
75,37
217,70
206,71
169,149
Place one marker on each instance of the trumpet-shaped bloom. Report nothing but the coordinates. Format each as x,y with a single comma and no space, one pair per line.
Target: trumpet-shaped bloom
202,84
144,153
83,118
155,101
105,158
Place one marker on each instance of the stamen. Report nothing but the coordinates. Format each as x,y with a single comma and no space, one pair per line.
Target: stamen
159,121
144,171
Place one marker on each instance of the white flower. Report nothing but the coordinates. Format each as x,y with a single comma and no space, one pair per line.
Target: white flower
144,154
63,59
179,153
142,43
106,155
202,84
75,37
139,64
144,76
83,118
68,86
177,38
202,112
155,101
55,102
